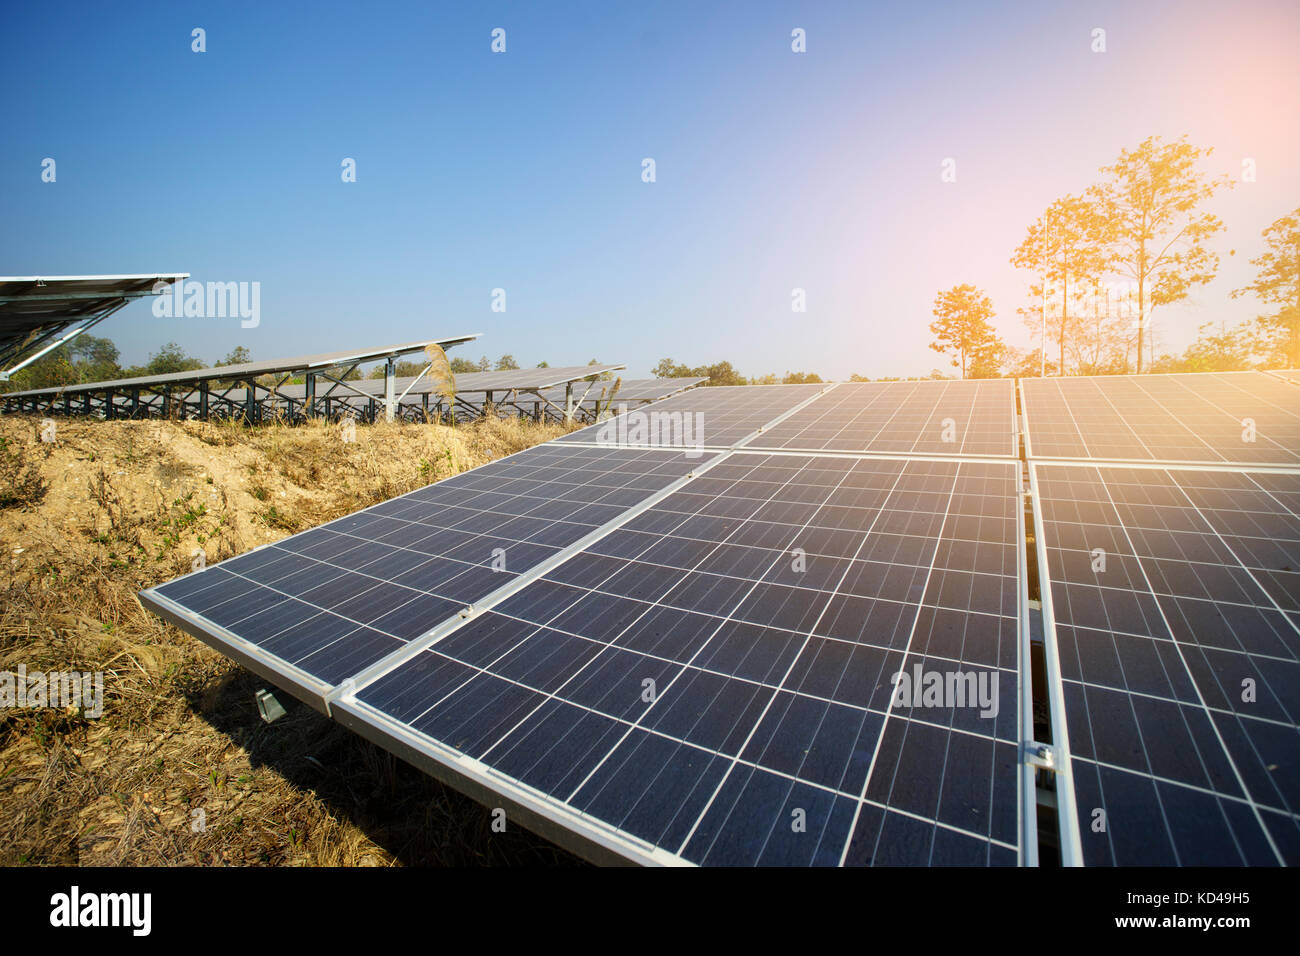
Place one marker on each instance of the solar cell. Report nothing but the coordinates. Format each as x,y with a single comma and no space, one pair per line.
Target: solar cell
1245,417
976,417
320,606
711,682
1174,598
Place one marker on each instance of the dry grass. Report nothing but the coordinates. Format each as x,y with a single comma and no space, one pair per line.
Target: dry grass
114,507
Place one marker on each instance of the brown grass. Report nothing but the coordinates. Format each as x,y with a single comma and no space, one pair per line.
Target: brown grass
113,507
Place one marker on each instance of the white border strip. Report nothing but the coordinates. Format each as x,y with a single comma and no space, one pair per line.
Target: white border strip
1066,810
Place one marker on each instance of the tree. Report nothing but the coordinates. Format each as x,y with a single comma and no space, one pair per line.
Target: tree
801,378
601,377
237,356
543,364
719,373
1278,283
484,365
987,363
1067,247
91,353
171,358
462,366
961,327
1230,350
1157,237
667,368
401,369
506,362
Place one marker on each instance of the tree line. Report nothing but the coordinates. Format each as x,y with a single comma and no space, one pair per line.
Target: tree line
1104,260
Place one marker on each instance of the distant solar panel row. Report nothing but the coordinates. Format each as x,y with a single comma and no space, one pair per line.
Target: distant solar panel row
716,417
1246,417
935,418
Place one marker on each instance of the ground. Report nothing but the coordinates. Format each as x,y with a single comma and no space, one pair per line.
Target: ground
180,769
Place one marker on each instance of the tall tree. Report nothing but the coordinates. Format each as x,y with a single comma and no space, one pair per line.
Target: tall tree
1068,249
1278,283
1149,202
506,363
961,327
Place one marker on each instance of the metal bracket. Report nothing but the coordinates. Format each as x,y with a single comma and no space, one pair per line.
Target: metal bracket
1041,756
268,707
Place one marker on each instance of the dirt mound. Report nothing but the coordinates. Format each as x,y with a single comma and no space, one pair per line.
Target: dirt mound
179,769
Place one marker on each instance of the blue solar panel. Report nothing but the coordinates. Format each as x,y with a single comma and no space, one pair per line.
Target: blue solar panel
711,681
1175,600
321,606
714,417
950,417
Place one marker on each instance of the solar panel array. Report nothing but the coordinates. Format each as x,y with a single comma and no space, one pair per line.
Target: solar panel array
697,654
768,599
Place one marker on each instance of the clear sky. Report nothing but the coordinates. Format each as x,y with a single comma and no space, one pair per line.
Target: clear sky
522,170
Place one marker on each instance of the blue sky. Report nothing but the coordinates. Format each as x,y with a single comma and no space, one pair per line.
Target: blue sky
522,170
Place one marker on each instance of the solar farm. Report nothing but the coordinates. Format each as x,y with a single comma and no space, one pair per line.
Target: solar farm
981,623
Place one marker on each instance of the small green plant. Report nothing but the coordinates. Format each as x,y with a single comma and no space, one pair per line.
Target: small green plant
279,519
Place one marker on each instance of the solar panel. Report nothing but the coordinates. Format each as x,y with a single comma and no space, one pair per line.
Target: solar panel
320,606
688,688
715,417
533,378
1245,417
36,310
633,390
975,417
1174,600
248,370
1289,374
